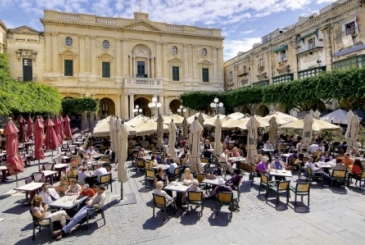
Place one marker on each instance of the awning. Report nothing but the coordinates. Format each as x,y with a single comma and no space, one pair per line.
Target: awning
350,50
281,48
309,34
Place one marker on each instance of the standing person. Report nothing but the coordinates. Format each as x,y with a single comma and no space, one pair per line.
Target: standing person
96,202
207,149
223,160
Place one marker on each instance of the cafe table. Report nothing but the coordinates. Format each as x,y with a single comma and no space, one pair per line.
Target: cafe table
49,173
32,188
60,167
180,188
324,164
164,166
212,181
281,173
68,202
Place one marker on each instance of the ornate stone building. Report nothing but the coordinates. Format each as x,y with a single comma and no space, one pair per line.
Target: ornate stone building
334,38
122,62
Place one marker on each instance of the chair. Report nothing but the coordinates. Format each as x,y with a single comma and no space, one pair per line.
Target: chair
149,175
225,199
140,165
281,188
338,176
27,181
148,165
177,174
266,184
204,160
105,159
92,212
36,222
48,166
106,180
237,187
160,202
309,175
38,176
195,198
200,177
301,189
359,178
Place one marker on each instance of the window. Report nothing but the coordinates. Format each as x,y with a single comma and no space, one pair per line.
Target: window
68,41
141,69
106,44
205,74
282,55
357,61
311,43
261,63
106,69
311,72
244,70
261,83
175,73
68,67
283,78
174,50
204,52
350,28
231,76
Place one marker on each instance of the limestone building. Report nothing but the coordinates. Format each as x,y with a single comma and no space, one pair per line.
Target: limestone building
122,62
332,39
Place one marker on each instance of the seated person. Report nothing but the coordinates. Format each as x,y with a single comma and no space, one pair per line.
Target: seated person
99,172
153,161
82,175
268,146
87,191
160,192
91,151
167,159
142,154
326,157
356,170
347,160
221,187
354,153
96,202
49,194
84,165
194,186
173,166
294,154
315,170
187,177
158,158
40,212
235,180
73,189
161,176
277,164
218,171
235,152
223,160
263,166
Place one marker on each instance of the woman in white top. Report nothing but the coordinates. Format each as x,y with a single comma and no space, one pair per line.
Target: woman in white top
187,177
160,192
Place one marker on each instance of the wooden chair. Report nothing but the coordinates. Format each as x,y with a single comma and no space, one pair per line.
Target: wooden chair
106,180
160,202
140,165
94,211
265,183
301,189
203,186
339,176
177,174
281,188
359,178
195,198
309,175
149,175
36,222
224,199
204,160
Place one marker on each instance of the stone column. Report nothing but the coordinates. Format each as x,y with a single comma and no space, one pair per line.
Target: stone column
54,53
186,61
327,48
126,111
193,62
215,64
48,51
130,65
131,105
87,50
158,60
153,67
162,101
220,65
166,103
124,57
117,107
118,58
164,61
93,55
82,53
134,66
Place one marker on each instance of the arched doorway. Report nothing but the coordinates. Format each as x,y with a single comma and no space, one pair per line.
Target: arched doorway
143,104
174,105
244,110
263,110
106,108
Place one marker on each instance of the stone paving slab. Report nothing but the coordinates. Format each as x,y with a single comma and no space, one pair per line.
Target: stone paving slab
336,216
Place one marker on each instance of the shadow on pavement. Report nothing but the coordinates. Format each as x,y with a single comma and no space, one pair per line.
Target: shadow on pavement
222,219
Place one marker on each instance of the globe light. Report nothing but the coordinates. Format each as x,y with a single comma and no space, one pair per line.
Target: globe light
154,99
220,104
216,100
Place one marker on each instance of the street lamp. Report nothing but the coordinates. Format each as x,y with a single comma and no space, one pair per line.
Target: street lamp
154,104
137,110
215,105
181,110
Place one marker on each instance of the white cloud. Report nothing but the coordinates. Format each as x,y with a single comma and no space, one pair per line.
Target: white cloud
232,47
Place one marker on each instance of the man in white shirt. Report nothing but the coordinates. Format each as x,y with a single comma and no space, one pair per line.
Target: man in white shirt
223,160
315,170
49,194
313,148
172,167
321,147
268,146
160,192
99,172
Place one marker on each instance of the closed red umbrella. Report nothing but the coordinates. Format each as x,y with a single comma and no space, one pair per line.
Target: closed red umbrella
30,128
14,161
51,140
62,125
22,134
67,128
57,128
38,139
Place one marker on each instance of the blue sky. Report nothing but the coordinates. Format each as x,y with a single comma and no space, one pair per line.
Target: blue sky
243,22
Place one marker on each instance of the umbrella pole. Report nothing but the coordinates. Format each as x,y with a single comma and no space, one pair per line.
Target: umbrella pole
121,190
39,165
16,179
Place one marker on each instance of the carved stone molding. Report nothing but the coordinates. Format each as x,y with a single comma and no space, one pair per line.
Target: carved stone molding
262,76
93,37
244,80
283,70
282,63
26,53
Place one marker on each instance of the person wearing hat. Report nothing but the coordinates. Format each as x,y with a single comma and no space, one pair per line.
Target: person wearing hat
96,202
87,191
263,166
278,165
221,187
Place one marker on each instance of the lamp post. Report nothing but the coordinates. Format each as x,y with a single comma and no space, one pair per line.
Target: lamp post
105,108
215,105
181,110
137,110
154,105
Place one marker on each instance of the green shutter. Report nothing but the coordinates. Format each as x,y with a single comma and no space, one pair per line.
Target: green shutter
205,72
175,73
281,48
106,69
68,67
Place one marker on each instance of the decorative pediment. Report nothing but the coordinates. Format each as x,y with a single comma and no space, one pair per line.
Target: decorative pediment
26,53
262,76
283,70
68,54
142,26
175,60
205,63
141,50
24,30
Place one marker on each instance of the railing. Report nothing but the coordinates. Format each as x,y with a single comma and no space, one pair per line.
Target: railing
70,17
106,21
202,31
174,28
147,81
21,79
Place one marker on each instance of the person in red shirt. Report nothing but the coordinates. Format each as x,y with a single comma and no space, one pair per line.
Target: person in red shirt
355,171
87,191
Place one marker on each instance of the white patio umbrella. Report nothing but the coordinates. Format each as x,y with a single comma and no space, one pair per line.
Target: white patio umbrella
252,136
273,130
122,153
178,120
353,134
218,136
136,121
149,127
172,139
338,116
192,118
317,125
113,130
350,114
317,114
307,131
185,127
160,121
102,128
236,115
194,143
281,118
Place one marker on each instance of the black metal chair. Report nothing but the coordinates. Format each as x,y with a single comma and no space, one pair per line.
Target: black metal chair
195,198
225,199
149,176
37,222
160,202
309,175
94,211
106,180
301,189
338,176
281,188
359,178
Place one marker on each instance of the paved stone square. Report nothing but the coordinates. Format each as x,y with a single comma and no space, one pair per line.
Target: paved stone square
336,216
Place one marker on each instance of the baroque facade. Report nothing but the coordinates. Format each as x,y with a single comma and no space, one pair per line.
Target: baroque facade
122,62
332,39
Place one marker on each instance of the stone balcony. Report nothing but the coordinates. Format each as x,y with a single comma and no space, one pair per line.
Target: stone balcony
137,82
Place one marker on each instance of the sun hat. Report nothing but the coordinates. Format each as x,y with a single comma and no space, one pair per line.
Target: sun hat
277,156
